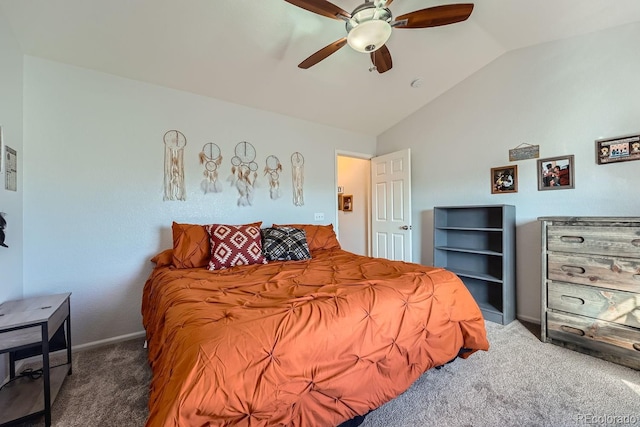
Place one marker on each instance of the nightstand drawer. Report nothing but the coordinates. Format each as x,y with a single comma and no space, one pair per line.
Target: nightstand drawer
590,332
618,241
599,303
604,271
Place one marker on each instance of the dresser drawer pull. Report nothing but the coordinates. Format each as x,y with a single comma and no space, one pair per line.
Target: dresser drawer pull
572,239
636,345
572,269
574,331
635,242
572,300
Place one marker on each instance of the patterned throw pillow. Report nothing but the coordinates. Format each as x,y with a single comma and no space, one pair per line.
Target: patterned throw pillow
233,245
318,236
285,244
192,246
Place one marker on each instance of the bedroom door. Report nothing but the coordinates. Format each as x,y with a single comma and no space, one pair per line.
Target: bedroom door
391,206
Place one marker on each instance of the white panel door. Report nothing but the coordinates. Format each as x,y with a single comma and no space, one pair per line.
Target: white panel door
391,206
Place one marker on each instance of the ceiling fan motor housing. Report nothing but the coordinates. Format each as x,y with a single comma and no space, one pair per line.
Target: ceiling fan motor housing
369,27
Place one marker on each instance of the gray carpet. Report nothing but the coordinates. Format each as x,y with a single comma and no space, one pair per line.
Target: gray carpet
518,382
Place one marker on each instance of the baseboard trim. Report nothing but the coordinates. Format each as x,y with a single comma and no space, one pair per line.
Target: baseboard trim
107,341
529,319
75,348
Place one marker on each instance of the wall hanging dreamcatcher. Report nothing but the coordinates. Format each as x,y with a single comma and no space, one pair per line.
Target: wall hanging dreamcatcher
297,175
174,143
211,158
244,172
272,170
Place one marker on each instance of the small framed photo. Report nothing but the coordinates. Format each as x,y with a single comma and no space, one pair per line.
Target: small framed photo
556,173
347,203
504,179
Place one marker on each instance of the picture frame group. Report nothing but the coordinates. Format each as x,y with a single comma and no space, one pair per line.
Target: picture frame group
556,173
553,173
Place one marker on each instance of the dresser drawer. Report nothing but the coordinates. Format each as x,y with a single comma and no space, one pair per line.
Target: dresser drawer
599,303
602,337
603,271
617,241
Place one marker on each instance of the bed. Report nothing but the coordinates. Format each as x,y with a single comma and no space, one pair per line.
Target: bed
309,342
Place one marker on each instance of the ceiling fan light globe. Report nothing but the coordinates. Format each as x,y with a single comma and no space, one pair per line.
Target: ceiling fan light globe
369,36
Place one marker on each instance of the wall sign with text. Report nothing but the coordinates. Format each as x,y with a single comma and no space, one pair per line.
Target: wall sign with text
620,149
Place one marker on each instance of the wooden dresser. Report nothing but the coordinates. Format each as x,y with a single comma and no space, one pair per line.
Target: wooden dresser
591,286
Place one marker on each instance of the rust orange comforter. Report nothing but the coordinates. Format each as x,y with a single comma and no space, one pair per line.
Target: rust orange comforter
301,343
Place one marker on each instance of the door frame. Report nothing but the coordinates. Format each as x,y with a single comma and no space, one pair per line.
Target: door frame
355,155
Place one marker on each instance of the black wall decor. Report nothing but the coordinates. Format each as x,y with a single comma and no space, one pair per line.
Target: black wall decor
3,224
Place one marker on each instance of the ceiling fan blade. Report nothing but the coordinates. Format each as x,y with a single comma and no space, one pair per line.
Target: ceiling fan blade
323,53
381,58
321,7
436,16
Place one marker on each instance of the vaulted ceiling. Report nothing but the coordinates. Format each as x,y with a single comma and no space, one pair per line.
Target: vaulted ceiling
247,51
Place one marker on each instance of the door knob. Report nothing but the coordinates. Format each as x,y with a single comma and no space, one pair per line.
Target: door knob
405,227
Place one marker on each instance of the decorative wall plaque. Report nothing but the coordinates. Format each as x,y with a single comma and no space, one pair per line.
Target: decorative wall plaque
620,149
524,151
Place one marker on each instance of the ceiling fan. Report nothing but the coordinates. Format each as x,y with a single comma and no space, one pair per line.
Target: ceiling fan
369,26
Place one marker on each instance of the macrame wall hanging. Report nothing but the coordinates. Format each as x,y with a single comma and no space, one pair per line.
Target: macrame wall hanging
174,143
272,170
244,172
211,158
297,175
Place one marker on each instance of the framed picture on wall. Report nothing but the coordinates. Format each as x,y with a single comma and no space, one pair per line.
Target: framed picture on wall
619,149
11,169
504,179
347,202
556,173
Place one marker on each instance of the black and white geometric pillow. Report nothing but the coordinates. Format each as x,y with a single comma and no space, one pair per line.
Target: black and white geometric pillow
285,244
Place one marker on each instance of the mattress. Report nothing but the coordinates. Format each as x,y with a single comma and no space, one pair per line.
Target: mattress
299,343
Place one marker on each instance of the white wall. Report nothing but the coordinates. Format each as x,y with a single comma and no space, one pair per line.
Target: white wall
561,95
354,175
94,165
11,201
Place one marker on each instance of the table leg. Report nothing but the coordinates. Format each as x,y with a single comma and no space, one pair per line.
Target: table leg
12,365
69,338
45,373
